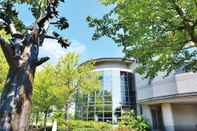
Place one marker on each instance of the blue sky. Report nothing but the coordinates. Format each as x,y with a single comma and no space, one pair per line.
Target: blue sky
79,33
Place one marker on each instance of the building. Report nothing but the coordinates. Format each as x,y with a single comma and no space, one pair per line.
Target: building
117,92
169,104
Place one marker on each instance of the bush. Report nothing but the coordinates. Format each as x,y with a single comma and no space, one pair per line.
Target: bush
131,122
78,125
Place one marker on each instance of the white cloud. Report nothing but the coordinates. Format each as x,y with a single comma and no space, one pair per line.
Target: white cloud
52,49
76,46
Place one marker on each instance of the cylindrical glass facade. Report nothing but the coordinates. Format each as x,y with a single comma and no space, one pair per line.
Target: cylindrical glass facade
117,94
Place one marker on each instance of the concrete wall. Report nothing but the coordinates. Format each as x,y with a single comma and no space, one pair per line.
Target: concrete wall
116,95
173,84
186,82
146,113
113,66
176,117
143,88
185,117
168,118
158,87
162,87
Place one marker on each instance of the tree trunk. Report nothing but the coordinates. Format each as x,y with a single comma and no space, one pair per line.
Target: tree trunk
22,57
16,99
45,120
66,116
37,119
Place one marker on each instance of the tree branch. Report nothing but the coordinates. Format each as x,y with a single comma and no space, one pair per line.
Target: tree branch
62,41
50,12
189,24
42,60
9,25
180,11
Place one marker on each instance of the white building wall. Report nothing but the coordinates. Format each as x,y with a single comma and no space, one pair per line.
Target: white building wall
173,84
111,65
158,87
186,82
143,88
162,87
146,113
179,117
116,99
185,117
168,118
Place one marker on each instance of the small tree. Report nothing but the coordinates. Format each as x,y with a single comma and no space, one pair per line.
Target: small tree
45,97
73,78
57,86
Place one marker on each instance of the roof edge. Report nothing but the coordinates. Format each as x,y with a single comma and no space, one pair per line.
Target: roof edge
111,59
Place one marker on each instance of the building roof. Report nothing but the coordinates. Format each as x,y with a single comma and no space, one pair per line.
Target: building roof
111,59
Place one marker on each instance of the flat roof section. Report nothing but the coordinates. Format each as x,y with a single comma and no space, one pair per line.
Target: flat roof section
112,60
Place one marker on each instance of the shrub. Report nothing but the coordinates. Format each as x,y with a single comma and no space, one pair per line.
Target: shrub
131,122
79,125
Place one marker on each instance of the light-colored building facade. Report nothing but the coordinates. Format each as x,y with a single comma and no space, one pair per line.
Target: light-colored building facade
117,92
169,104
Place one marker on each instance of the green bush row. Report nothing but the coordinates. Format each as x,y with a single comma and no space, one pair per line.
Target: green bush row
78,125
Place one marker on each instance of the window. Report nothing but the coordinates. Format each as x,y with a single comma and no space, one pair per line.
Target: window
128,94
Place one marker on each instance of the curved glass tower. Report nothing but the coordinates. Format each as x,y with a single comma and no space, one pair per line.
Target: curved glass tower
117,93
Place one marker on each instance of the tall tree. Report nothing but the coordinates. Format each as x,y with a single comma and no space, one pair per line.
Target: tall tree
21,54
160,34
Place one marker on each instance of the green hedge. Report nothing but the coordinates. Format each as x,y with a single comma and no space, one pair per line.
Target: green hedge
78,125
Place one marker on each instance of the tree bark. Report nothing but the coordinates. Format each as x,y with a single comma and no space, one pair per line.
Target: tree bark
16,98
37,119
45,120
22,58
66,106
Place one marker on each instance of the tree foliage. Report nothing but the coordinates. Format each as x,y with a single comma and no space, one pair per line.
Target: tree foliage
132,122
45,96
3,70
77,125
44,92
160,34
9,9
9,12
74,78
56,86
3,64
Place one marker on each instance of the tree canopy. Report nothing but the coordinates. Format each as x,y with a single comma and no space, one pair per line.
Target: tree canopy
44,92
56,86
8,9
160,34
74,78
